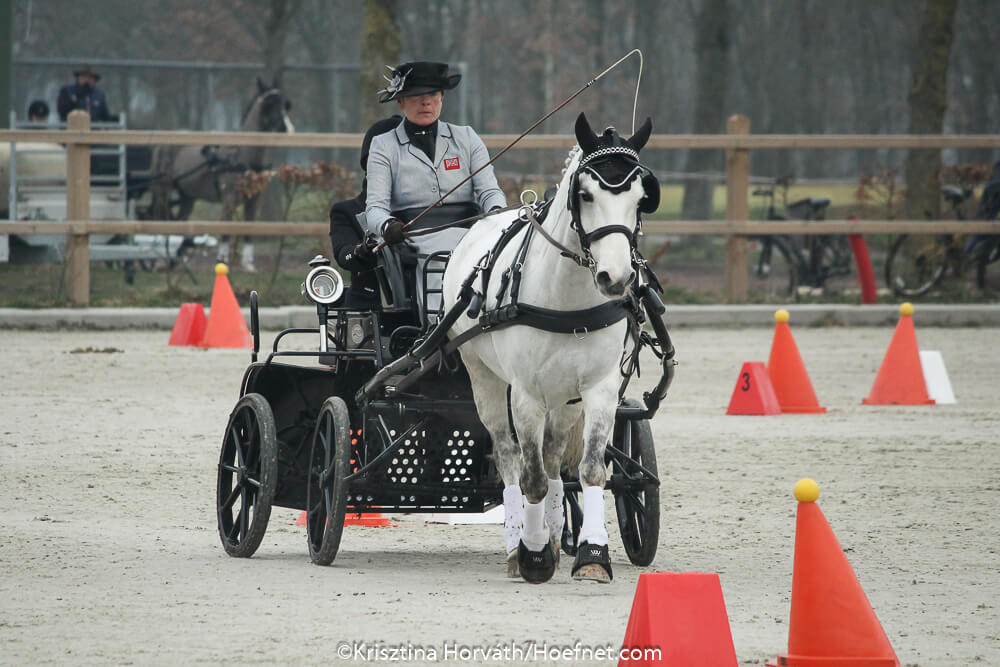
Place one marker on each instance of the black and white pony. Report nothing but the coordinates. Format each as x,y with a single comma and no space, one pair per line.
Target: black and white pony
541,378
184,174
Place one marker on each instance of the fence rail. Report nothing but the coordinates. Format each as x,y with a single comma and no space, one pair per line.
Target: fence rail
737,142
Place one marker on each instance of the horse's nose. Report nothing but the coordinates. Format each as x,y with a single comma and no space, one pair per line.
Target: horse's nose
609,286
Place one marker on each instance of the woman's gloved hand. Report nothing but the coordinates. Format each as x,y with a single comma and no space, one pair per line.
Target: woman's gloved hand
393,231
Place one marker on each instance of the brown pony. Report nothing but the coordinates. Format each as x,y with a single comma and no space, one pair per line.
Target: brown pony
185,174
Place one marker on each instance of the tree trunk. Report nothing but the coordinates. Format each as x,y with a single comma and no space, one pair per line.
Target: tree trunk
276,30
928,100
276,34
379,47
711,49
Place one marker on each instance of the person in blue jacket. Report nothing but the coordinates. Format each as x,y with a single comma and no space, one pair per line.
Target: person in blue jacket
84,95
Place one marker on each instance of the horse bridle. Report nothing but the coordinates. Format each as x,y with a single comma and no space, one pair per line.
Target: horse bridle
573,203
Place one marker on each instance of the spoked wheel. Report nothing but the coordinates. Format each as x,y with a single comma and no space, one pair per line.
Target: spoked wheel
326,497
248,476
572,521
638,510
916,263
773,276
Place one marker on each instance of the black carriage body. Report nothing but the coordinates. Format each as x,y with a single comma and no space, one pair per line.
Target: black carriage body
424,450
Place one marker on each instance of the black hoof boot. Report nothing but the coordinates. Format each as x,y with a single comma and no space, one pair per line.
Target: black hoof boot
592,563
536,567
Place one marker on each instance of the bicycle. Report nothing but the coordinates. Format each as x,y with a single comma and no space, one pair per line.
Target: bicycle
784,263
917,263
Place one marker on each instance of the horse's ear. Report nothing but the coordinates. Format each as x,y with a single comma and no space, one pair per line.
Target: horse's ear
584,135
261,86
639,139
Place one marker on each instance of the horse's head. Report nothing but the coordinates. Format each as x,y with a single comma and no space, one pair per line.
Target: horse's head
608,190
268,112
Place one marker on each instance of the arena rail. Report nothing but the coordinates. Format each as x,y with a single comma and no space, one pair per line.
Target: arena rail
737,142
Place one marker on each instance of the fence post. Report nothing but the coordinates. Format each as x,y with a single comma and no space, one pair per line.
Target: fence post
78,211
737,210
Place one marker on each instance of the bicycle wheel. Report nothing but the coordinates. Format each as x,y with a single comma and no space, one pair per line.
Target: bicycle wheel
916,263
829,257
773,277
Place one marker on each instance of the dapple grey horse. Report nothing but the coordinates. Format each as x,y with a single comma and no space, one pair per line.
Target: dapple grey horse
541,381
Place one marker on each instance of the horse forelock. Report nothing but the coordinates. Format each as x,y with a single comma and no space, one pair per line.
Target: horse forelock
615,173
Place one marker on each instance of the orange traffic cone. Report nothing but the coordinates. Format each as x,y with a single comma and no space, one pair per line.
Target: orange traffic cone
831,624
753,394
682,618
788,374
226,326
189,327
368,519
900,379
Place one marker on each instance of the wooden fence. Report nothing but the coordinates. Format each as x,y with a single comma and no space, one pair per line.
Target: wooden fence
737,227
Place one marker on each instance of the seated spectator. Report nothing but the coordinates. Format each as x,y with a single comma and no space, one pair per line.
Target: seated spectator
38,112
347,235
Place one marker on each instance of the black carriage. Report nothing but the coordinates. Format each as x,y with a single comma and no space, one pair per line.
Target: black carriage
383,420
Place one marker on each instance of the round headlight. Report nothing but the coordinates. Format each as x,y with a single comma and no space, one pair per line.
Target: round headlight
324,285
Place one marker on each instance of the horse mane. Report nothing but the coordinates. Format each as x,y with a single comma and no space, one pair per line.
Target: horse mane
570,164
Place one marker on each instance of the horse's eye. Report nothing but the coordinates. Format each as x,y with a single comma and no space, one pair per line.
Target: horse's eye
586,196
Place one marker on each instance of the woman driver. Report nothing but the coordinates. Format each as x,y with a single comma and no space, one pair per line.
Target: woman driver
410,167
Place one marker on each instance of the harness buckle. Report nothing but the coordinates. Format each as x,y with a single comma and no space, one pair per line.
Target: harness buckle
578,335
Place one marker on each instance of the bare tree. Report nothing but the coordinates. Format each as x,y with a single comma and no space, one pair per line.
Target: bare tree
711,51
276,34
928,100
379,47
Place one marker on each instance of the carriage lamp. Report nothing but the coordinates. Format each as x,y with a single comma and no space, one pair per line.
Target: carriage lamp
324,284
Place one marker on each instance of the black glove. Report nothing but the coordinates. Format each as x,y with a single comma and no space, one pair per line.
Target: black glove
363,252
392,231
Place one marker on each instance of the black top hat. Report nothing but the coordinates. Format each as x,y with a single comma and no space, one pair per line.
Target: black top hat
418,78
379,127
88,71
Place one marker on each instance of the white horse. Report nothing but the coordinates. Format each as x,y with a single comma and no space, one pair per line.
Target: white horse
539,380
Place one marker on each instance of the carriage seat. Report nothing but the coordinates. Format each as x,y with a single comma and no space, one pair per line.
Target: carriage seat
397,266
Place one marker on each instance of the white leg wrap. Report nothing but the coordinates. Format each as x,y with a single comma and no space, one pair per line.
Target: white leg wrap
554,509
593,530
534,535
513,506
246,257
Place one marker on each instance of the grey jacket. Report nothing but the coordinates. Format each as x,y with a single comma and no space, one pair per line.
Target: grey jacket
401,176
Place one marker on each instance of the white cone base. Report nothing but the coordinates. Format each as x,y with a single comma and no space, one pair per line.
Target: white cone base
936,377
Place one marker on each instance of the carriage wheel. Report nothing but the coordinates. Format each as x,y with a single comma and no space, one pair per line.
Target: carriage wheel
326,494
639,511
248,476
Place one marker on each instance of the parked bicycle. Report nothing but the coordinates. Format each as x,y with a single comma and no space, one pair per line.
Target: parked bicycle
917,263
782,264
